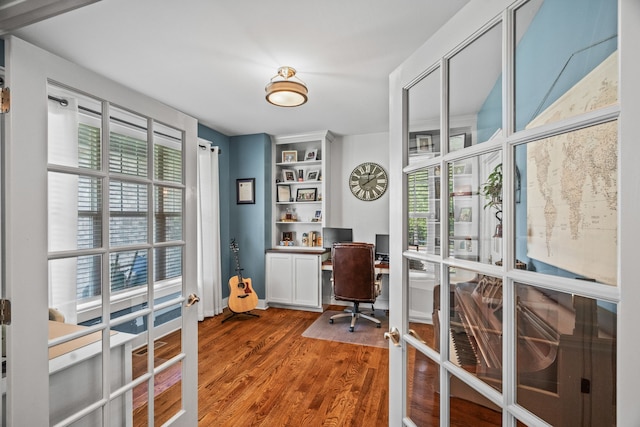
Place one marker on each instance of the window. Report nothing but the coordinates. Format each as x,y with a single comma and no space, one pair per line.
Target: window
139,210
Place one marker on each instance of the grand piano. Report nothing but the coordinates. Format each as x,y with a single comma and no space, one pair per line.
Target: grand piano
565,354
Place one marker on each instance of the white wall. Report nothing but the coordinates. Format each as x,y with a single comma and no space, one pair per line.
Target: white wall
365,218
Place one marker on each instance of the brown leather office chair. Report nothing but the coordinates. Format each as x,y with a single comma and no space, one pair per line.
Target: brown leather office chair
354,279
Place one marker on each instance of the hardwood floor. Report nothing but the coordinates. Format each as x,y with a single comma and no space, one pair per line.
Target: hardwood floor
263,372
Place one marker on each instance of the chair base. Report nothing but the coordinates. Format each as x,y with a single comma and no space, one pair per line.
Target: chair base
355,314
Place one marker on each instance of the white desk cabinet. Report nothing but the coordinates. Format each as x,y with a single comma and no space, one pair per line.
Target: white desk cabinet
294,279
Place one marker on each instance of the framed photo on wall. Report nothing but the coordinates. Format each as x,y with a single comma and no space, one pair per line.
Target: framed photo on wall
245,191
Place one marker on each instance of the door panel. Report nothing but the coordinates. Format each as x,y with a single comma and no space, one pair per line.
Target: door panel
98,172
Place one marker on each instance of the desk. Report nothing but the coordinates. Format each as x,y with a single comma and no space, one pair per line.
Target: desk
382,302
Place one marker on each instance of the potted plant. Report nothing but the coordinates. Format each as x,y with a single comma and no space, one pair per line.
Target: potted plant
492,191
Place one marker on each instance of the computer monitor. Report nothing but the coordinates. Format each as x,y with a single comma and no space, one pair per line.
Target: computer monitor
382,247
331,235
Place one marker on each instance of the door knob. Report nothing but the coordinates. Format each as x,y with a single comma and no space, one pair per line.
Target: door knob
192,299
394,336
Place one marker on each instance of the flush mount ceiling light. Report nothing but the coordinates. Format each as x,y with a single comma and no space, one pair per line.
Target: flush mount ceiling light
285,92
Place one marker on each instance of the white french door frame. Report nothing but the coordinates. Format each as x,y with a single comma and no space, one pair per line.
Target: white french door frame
476,15
28,71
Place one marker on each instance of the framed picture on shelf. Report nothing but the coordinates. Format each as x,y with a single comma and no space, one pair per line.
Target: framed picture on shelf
289,156
318,216
306,195
288,175
311,154
287,236
284,193
245,191
465,214
313,175
424,144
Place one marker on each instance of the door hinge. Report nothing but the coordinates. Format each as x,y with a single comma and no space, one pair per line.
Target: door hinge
5,312
5,100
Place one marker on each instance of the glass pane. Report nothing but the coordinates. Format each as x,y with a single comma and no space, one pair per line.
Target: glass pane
168,262
127,213
476,325
470,408
566,59
74,129
167,152
168,214
80,358
128,269
423,389
166,315
93,419
566,356
128,152
566,220
423,278
475,91
424,118
73,283
168,393
424,210
475,211
74,212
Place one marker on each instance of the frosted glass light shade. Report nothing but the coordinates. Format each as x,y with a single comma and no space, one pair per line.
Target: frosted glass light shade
286,92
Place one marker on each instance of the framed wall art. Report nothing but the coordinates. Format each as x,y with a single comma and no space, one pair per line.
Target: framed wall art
245,191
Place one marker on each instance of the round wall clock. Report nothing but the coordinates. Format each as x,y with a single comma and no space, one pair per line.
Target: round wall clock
368,181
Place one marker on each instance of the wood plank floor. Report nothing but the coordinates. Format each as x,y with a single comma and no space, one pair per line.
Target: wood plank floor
263,372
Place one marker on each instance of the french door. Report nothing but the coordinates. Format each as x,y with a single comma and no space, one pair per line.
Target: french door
511,160
98,250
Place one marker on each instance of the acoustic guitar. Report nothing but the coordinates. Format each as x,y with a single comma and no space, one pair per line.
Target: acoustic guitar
242,297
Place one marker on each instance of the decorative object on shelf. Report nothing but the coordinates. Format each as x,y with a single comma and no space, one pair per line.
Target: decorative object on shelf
311,154
285,89
368,181
300,175
492,191
284,193
289,156
317,217
245,191
313,175
306,194
288,175
287,236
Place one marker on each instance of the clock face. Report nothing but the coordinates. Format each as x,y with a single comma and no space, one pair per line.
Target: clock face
368,181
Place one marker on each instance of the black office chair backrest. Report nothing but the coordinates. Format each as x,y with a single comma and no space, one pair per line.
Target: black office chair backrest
353,272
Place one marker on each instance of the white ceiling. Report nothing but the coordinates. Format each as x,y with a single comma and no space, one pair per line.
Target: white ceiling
212,58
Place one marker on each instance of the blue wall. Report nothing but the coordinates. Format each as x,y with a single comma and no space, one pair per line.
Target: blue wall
247,156
551,57
250,224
